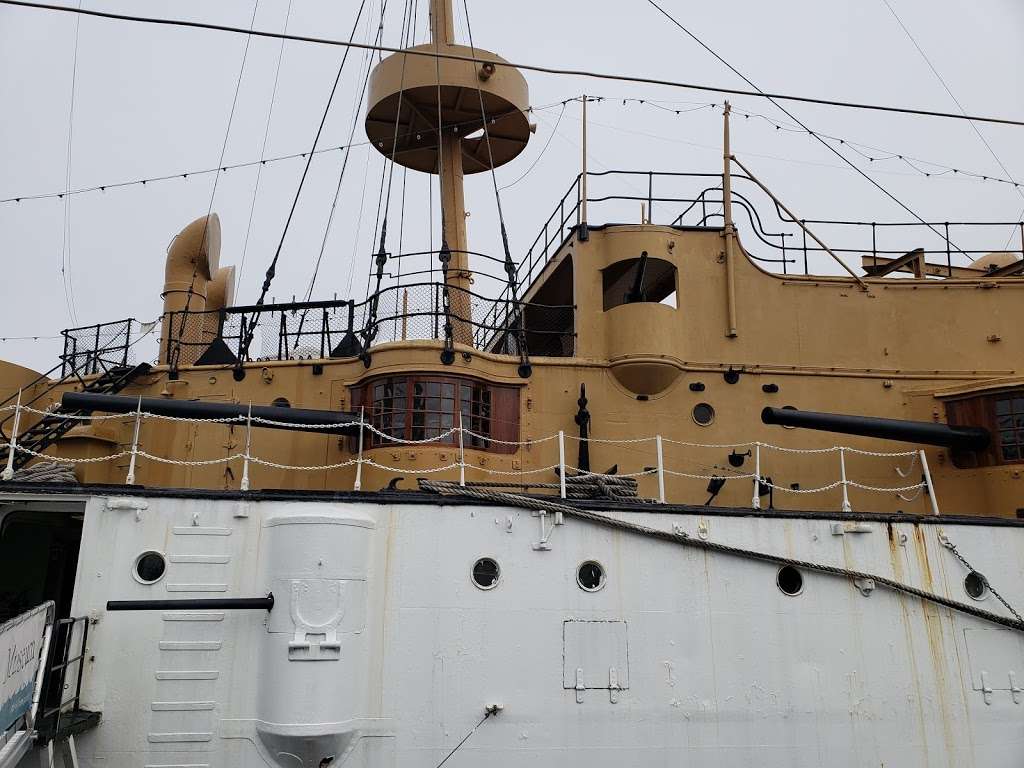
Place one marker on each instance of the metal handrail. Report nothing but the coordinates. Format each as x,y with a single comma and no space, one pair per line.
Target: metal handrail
62,667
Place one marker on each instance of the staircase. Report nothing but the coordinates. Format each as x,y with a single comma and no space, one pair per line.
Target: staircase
51,428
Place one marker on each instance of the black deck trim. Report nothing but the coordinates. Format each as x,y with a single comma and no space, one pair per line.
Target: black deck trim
422,498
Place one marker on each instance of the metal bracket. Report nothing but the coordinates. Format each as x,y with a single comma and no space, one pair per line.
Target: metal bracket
613,685
986,689
866,586
580,687
135,505
545,530
1015,690
841,529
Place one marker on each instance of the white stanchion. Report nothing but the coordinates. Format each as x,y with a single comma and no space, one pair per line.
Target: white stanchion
358,484
12,447
130,479
755,502
462,453
928,483
244,485
842,480
661,470
561,463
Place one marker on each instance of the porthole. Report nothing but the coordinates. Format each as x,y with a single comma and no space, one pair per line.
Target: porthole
789,580
149,567
703,414
486,573
281,402
976,586
590,576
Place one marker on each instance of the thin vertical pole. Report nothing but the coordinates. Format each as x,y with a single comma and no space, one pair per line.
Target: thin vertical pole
755,502
248,444
359,461
462,453
842,474
928,482
405,314
8,473
661,470
130,480
949,254
561,463
730,267
584,234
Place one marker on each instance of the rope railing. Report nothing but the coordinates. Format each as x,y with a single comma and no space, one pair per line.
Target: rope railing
566,471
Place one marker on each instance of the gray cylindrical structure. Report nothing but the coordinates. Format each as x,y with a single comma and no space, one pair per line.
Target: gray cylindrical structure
923,432
290,418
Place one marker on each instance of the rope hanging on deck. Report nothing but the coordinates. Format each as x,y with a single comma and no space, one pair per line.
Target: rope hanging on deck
446,488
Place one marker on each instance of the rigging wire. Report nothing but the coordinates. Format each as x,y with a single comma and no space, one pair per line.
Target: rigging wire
174,355
341,175
464,739
795,119
547,143
959,106
263,150
65,250
551,70
873,153
185,175
272,269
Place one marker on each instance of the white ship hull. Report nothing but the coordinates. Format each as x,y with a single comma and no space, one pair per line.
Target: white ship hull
683,657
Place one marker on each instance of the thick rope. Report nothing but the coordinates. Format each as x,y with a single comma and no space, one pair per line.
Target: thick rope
534,503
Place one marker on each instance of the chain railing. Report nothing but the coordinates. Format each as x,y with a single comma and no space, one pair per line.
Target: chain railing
760,479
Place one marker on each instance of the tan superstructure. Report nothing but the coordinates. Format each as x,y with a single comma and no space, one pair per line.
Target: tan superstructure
716,340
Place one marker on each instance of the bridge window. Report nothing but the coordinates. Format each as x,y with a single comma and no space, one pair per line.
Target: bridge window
425,407
643,279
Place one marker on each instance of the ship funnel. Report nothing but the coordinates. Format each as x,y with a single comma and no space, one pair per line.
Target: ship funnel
192,261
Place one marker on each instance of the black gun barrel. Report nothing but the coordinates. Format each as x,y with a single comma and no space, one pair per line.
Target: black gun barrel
342,423
923,432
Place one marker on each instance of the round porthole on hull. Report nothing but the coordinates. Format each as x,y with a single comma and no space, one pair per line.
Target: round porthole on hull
590,576
149,567
486,573
976,586
790,581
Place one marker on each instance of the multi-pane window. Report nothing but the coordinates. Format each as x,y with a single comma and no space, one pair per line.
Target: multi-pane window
1010,427
428,407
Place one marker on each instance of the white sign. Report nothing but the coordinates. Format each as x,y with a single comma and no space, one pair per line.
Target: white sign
21,645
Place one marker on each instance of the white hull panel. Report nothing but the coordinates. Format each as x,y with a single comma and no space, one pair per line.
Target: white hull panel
380,650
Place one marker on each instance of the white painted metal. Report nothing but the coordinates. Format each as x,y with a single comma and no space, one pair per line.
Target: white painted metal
130,478
661,470
381,651
359,459
928,483
12,445
842,476
755,502
244,485
561,459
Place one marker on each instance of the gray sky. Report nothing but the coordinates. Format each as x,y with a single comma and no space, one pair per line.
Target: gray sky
150,101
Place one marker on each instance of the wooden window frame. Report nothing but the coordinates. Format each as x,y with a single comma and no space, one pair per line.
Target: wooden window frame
986,410
419,406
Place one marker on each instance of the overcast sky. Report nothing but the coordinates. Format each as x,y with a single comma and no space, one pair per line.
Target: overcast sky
151,101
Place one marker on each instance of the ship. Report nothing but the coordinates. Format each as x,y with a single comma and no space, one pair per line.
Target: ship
673,494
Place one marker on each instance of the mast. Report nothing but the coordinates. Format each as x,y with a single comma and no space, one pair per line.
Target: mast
427,113
453,199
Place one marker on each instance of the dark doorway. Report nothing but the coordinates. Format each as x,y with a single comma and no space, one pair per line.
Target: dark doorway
38,560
